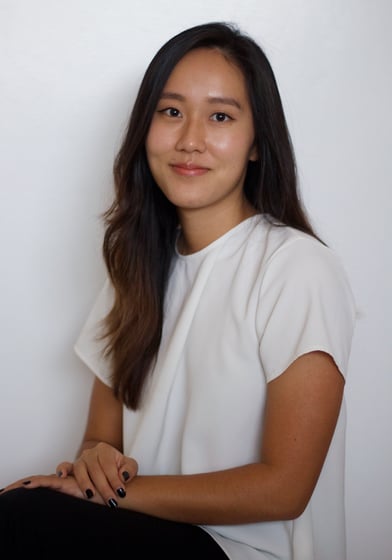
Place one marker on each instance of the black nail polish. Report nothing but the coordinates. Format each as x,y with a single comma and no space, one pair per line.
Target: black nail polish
112,503
2,490
59,474
26,482
121,492
125,475
89,493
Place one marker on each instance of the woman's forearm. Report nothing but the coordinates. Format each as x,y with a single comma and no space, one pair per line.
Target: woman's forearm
247,494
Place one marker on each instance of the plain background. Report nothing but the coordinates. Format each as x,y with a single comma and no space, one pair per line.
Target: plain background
68,75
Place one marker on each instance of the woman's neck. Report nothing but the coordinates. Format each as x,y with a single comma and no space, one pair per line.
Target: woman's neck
201,227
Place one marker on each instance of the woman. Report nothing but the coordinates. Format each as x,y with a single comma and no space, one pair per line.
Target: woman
219,343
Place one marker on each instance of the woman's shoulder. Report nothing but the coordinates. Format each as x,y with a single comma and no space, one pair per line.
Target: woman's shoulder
281,242
286,256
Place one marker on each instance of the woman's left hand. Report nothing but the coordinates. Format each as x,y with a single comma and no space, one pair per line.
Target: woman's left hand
66,485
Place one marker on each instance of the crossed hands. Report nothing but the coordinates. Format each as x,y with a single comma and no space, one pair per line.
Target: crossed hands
99,474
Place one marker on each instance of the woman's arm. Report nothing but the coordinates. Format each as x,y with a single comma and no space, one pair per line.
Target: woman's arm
104,422
302,408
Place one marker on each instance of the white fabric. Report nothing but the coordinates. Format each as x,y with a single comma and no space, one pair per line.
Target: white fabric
237,314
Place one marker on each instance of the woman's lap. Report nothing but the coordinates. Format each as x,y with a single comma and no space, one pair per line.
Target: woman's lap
42,520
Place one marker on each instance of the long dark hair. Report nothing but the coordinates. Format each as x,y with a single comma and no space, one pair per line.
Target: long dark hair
141,223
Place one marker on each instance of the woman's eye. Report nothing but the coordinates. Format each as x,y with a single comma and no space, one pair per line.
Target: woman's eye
170,112
221,117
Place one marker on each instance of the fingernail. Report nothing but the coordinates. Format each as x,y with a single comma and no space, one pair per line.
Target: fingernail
59,474
89,493
2,489
112,503
125,475
26,482
121,492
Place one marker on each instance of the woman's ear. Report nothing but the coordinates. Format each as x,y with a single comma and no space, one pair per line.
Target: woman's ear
253,154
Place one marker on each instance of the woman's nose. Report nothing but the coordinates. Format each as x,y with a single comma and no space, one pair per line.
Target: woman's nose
191,136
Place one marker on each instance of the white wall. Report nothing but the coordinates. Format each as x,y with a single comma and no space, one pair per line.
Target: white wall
68,75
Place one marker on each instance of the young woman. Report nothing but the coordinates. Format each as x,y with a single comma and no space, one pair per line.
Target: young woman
219,343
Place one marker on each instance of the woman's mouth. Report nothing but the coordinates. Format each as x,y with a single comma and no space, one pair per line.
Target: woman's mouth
189,169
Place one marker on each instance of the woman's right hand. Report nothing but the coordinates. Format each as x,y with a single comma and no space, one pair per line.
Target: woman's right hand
101,469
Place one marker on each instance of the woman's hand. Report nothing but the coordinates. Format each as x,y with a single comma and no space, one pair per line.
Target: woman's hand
100,470
99,475
66,485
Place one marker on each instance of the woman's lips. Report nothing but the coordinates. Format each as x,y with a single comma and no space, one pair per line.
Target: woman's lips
189,170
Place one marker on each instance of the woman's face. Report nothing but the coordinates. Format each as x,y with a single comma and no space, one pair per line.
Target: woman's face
201,135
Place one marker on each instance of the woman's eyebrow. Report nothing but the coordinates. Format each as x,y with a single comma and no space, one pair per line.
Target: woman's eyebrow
225,101
172,95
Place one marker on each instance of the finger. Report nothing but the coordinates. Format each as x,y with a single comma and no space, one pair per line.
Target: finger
39,480
96,483
26,481
64,469
128,469
66,485
83,479
107,481
118,474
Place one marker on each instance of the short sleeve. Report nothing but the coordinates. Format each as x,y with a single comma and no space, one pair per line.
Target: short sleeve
89,346
305,304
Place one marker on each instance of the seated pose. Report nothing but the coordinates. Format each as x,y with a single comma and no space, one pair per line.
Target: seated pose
219,343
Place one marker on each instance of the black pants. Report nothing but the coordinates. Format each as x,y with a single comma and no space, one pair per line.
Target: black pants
49,524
